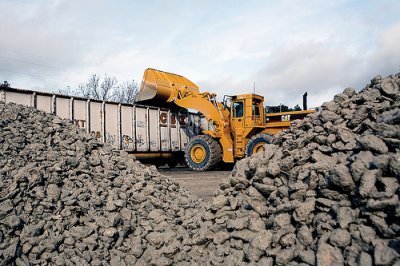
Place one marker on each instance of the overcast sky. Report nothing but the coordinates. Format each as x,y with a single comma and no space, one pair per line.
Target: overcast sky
285,47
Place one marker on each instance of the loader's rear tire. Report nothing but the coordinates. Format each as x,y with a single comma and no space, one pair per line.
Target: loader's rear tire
257,143
202,153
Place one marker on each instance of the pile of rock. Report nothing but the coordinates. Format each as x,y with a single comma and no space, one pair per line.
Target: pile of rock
325,192
66,199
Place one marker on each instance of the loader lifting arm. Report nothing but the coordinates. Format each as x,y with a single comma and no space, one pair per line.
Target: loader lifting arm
212,110
159,86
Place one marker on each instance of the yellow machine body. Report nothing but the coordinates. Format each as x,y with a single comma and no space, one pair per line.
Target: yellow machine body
234,124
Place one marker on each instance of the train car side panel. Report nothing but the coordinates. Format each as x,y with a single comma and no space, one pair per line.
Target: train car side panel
111,124
141,118
127,128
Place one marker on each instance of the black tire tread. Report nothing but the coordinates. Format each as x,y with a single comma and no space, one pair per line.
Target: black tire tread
266,136
215,153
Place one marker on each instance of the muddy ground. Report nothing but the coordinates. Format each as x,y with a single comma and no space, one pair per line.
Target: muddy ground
202,184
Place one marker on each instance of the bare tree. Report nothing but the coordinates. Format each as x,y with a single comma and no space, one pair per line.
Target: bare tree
84,91
126,92
67,91
98,90
108,89
93,87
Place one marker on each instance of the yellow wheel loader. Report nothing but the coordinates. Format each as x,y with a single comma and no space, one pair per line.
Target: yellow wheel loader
239,125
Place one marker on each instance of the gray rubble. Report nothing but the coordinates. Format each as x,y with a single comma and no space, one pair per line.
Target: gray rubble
325,192
66,199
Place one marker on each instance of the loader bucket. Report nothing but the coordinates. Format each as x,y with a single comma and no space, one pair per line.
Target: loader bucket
159,86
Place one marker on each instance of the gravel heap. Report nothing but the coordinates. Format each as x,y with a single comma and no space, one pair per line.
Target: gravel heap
325,192
66,199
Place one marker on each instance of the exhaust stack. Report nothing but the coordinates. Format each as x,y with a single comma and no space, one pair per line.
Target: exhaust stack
305,101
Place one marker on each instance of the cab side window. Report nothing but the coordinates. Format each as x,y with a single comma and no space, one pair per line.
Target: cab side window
255,109
237,109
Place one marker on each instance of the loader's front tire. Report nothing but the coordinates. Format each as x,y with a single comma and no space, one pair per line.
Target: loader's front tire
202,153
257,143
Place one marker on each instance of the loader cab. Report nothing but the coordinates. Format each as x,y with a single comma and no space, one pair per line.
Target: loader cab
247,119
247,111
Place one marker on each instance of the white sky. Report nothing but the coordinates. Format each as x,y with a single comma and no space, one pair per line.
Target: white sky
285,47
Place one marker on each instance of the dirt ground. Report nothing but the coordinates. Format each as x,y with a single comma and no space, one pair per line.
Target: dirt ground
202,184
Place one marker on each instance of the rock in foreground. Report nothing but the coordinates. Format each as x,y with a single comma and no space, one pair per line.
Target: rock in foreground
65,199
325,192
